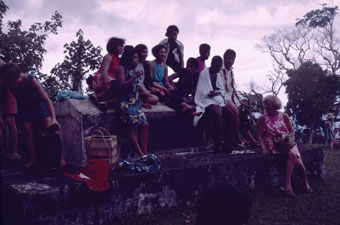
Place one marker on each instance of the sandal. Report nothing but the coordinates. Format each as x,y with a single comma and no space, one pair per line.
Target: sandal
288,193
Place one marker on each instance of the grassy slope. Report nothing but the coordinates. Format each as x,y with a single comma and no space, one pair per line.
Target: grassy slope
322,207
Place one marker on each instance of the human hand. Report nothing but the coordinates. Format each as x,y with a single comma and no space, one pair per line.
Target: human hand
265,152
54,121
213,93
139,73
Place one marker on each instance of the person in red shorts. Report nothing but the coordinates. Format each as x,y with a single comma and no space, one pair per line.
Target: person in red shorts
8,111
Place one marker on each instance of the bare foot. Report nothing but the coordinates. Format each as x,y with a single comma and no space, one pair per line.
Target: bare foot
146,105
29,165
196,113
186,107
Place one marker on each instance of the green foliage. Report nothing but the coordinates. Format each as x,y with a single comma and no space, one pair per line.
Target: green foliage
311,93
26,47
318,17
81,58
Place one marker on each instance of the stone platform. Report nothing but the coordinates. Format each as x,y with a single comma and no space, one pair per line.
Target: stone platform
167,130
48,197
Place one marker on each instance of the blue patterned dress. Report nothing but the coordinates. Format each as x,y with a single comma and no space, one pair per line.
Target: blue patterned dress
130,105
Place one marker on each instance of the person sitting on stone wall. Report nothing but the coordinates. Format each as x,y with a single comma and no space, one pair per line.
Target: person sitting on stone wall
204,51
187,80
209,98
272,123
161,84
174,49
104,81
145,81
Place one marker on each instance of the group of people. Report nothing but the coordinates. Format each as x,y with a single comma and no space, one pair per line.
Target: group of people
127,79
201,91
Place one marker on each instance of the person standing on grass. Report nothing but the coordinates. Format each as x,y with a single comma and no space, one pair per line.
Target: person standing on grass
329,131
274,122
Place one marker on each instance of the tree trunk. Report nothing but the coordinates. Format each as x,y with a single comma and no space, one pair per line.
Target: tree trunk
310,132
310,137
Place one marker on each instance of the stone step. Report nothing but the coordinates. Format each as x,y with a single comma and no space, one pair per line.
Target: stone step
48,197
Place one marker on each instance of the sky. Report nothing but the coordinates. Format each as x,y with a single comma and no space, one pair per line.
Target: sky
223,24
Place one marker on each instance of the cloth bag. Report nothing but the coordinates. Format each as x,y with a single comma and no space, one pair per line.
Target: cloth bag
283,142
101,145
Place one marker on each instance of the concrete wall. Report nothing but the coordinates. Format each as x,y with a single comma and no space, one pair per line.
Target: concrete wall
50,198
167,130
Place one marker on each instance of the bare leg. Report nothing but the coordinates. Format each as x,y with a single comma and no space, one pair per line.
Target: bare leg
143,132
132,137
289,170
13,136
29,142
302,170
330,144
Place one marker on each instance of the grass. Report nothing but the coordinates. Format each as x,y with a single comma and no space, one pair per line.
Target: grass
322,207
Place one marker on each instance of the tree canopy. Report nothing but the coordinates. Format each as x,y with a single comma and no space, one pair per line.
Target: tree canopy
81,58
311,93
311,39
26,47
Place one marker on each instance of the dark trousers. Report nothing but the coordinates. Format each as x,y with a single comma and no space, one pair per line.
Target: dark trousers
223,124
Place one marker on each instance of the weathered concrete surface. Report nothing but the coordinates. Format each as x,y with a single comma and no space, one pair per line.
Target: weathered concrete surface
79,117
47,197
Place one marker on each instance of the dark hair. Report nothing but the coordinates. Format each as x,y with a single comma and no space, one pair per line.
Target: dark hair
9,71
216,60
171,28
193,61
127,56
140,47
156,49
113,44
223,205
229,52
204,47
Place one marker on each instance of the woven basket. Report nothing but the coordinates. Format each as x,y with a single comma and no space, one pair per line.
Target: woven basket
102,145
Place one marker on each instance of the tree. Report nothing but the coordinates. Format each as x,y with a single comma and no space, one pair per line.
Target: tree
311,93
311,39
26,47
81,58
